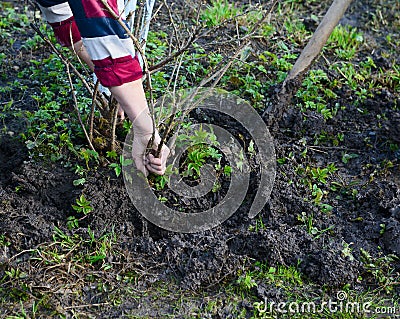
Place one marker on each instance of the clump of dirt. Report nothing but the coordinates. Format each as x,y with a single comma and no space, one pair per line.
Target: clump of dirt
33,198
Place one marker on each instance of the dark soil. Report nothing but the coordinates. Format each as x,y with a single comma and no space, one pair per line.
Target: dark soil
35,197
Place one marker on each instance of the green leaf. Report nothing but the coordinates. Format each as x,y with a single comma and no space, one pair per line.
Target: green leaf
227,170
79,181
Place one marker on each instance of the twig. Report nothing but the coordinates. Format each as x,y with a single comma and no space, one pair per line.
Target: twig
114,119
215,77
87,306
174,107
64,60
138,19
21,253
76,107
171,19
195,36
92,108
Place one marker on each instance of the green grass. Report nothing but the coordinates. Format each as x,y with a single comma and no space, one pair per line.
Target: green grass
218,12
345,41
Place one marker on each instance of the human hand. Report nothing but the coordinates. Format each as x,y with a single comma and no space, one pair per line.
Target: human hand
158,165
149,163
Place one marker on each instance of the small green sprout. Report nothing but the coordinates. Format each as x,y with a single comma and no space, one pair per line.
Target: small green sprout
82,205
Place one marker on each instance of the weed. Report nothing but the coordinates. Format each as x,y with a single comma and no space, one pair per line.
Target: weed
320,174
202,148
79,181
382,229
308,221
317,179
88,155
296,31
51,129
259,225
11,19
15,273
282,63
246,82
317,193
382,269
250,149
4,242
347,251
118,166
344,40
227,170
75,248
390,78
218,12
280,275
160,181
72,222
315,92
246,282
346,157
156,49
82,205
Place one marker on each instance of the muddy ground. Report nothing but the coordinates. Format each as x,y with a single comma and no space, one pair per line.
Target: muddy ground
36,196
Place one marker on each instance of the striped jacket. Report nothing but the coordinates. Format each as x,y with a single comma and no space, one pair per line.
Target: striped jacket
110,48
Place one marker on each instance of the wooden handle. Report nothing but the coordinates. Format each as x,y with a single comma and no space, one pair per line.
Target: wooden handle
319,38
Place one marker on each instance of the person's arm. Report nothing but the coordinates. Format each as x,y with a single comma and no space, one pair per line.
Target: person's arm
59,15
132,99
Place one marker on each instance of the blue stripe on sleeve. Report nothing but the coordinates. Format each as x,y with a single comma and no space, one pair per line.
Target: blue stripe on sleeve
100,27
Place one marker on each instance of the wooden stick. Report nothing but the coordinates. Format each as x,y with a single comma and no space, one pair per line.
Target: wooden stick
319,38
279,103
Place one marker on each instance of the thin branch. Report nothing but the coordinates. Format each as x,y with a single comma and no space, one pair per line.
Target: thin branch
64,60
138,19
77,109
193,38
215,77
196,35
114,119
92,108
171,19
